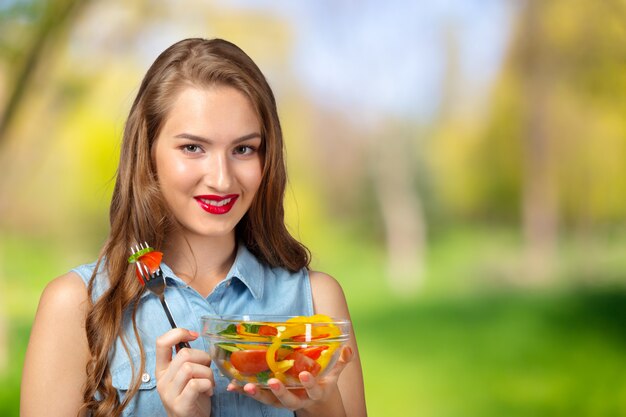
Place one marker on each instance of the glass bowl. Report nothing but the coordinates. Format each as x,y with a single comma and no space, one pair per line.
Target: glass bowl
255,348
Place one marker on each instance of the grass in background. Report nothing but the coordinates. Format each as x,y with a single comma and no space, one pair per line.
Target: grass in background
18,333
497,355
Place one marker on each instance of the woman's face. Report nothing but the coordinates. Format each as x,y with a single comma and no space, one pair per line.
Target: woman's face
207,159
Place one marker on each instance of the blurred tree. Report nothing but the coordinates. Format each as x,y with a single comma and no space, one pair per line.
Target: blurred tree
47,19
393,158
22,47
555,142
539,205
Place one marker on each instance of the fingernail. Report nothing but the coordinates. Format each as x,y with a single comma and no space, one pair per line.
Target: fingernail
274,385
305,378
194,334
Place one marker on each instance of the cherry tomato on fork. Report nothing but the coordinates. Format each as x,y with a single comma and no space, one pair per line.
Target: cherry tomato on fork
152,260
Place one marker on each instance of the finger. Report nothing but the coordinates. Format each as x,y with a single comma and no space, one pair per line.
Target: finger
314,390
191,355
195,388
166,342
173,382
233,386
344,358
182,368
264,396
187,373
286,398
195,399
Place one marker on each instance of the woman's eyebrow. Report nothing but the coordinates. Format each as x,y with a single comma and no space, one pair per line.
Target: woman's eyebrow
207,140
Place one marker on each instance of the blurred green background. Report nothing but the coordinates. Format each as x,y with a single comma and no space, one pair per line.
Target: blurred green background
458,166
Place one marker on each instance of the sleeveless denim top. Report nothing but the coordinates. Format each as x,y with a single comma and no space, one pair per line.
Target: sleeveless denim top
250,287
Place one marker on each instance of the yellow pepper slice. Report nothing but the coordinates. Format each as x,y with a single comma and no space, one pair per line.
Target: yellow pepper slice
316,318
277,341
243,346
300,325
331,331
326,355
280,366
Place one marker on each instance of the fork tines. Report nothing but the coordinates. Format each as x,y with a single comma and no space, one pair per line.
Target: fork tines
145,273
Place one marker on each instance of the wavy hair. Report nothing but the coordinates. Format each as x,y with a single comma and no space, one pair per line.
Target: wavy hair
138,211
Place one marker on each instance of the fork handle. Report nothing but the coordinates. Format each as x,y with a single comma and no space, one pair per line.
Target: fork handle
180,345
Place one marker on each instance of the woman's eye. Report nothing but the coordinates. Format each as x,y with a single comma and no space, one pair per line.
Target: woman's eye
244,150
191,148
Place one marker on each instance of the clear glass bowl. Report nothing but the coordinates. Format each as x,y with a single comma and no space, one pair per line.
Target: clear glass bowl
255,348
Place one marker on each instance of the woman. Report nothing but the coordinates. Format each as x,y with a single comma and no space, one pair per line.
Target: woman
202,178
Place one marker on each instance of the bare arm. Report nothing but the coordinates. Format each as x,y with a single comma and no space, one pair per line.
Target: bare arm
54,369
329,299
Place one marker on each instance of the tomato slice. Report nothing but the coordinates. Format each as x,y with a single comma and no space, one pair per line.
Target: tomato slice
313,352
249,362
302,362
265,330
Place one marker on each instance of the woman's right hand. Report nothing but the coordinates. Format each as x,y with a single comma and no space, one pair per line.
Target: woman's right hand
185,382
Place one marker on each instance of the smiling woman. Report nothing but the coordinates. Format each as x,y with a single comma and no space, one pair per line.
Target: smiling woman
202,178
208,160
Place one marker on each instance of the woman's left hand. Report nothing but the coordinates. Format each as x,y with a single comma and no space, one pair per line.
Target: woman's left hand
316,392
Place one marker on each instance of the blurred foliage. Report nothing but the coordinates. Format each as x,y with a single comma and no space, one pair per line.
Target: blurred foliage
474,341
583,63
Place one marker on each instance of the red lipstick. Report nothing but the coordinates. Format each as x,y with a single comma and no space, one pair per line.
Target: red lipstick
217,204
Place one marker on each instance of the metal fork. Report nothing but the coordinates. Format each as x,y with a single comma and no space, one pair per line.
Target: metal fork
155,282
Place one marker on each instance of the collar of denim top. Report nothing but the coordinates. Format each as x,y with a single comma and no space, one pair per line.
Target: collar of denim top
246,269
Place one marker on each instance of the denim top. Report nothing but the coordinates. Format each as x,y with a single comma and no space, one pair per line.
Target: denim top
250,287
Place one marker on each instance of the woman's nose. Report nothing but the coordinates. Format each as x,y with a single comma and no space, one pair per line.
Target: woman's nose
218,175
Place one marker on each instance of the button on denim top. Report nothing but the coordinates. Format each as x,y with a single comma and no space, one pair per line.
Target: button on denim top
250,287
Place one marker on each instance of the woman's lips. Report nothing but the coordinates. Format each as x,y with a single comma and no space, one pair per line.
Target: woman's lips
216,204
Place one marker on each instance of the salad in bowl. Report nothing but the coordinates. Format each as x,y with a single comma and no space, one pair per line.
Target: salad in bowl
255,348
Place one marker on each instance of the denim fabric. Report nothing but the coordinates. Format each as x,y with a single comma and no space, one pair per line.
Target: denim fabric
250,287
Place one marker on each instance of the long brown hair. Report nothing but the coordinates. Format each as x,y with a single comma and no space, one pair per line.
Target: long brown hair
138,212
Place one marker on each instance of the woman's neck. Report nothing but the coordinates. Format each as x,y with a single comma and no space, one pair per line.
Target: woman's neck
200,261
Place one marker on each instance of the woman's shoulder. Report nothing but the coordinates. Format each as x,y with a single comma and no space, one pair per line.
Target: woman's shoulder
324,282
328,295
67,291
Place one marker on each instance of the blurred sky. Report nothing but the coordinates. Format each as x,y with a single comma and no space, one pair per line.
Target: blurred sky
389,56
356,57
